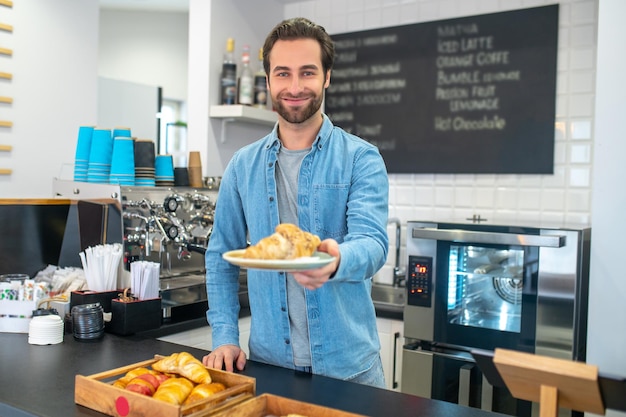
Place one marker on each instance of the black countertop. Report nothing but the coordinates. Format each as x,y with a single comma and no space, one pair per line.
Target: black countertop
39,380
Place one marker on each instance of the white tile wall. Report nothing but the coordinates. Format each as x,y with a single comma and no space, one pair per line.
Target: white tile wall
564,196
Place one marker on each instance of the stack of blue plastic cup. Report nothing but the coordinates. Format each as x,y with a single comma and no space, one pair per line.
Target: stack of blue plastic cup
100,156
164,171
121,132
123,162
83,149
144,163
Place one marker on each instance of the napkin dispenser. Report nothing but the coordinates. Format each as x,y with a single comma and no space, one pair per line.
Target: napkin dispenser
92,297
129,317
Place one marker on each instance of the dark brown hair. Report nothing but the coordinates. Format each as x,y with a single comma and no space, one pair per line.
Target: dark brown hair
300,28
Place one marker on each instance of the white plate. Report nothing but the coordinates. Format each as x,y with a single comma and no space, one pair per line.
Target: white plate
317,260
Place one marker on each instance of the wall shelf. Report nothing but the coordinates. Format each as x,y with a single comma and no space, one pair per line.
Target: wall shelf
241,113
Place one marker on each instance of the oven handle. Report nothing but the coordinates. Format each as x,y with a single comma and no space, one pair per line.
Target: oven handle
495,238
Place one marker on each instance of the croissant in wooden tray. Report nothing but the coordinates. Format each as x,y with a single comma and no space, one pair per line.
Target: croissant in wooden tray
130,375
174,390
287,242
202,391
184,364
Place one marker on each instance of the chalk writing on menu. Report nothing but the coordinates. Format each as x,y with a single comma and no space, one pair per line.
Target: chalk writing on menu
372,84
461,82
473,95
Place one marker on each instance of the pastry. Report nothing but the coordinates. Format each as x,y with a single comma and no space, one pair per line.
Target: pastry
130,375
202,391
174,390
184,364
145,384
287,242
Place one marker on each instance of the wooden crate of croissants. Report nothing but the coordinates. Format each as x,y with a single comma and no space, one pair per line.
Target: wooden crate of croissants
167,386
269,405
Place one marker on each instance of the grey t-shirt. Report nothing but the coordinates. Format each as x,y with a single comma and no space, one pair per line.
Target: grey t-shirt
287,171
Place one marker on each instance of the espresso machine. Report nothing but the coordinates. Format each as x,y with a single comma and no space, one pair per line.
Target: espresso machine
170,226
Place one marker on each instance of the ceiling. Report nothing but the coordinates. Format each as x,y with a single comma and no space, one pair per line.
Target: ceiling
152,5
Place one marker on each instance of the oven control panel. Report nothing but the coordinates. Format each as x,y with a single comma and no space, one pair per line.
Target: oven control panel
419,283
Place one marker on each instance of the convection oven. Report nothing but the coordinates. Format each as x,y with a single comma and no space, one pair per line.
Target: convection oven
482,286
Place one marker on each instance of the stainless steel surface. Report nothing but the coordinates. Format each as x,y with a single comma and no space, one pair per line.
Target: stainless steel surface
161,223
388,297
465,374
417,380
85,191
398,272
459,235
562,291
486,395
190,289
561,269
170,226
419,322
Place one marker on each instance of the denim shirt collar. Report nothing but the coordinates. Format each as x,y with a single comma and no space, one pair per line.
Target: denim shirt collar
323,136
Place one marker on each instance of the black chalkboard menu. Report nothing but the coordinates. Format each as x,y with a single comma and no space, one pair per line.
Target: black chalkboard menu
469,95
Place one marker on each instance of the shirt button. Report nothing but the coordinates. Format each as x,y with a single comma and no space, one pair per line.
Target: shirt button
270,164
283,309
287,341
271,199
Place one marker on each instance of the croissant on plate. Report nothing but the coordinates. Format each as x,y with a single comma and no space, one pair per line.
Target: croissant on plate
184,364
202,391
174,390
287,242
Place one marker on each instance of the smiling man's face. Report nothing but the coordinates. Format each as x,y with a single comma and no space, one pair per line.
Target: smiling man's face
296,80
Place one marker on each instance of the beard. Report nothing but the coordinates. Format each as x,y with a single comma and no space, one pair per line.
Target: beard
298,114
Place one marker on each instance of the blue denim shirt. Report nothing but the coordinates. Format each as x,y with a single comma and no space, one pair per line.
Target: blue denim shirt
342,194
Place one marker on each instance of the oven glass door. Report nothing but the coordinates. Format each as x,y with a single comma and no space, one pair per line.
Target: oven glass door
486,295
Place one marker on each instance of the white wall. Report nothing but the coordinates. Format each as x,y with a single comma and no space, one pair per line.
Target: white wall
211,23
146,48
54,87
129,104
607,338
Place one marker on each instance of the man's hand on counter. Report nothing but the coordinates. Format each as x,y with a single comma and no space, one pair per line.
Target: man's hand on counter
226,357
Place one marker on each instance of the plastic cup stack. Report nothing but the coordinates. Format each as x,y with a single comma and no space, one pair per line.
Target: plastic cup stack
181,177
100,157
88,321
164,170
121,132
83,149
144,163
123,161
194,166
45,330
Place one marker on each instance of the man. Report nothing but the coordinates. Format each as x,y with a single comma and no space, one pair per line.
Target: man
328,182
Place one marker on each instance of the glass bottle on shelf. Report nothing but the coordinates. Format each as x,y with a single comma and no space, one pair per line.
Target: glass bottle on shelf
246,80
228,90
260,85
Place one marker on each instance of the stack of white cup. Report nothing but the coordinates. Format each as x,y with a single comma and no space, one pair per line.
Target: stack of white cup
45,330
